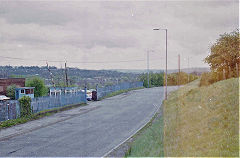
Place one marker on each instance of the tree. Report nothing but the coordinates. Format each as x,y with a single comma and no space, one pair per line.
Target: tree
225,54
155,79
11,91
40,88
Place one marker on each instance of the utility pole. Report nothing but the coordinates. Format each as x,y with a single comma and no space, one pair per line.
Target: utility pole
148,67
188,71
62,75
166,68
178,69
66,73
51,74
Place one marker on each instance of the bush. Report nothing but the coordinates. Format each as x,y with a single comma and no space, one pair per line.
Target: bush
208,78
172,78
40,88
11,91
25,106
155,79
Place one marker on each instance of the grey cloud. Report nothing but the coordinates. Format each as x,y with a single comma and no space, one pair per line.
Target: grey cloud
100,28
32,12
110,41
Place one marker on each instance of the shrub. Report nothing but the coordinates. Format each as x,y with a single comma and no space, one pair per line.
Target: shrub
183,78
208,78
155,79
11,91
40,88
25,106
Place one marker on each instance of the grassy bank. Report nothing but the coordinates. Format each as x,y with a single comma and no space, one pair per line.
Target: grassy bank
198,121
21,120
202,121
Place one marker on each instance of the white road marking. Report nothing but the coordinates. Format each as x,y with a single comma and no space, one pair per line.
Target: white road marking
105,155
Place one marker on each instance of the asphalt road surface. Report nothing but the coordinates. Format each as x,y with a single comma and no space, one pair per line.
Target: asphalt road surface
89,134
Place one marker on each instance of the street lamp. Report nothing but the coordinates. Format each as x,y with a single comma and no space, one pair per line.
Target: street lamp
157,29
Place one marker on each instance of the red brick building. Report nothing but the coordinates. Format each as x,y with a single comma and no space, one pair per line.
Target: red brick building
5,82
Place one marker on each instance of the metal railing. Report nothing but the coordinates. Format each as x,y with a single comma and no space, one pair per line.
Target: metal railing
104,91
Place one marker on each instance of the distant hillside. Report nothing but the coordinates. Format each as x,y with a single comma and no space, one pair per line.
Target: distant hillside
75,75
197,70
43,71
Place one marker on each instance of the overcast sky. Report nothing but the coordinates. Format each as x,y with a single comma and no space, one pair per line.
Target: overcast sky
112,35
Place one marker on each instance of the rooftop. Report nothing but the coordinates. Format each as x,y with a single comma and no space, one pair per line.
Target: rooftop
25,87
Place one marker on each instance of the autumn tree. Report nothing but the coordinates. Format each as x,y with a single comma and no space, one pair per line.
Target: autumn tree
224,57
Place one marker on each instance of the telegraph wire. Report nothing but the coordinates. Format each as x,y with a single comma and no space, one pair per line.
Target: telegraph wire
83,62
28,59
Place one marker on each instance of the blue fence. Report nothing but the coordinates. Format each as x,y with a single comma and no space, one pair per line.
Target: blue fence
11,109
44,103
104,91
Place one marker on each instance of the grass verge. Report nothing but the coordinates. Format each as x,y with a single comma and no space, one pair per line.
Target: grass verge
148,142
197,122
21,120
119,92
203,121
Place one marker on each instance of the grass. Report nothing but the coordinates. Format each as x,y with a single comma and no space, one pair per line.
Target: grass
119,92
148,142
203,121
196,122
21,120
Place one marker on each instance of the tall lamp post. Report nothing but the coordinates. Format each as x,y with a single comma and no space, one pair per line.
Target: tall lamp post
157,29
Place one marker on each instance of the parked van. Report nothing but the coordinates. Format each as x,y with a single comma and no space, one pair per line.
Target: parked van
89,95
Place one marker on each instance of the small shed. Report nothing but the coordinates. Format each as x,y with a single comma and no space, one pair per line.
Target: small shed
24,91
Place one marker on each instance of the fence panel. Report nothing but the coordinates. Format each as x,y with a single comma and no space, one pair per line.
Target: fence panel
50,102
9,110
104,91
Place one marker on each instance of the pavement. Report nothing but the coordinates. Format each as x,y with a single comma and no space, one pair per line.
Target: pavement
87,131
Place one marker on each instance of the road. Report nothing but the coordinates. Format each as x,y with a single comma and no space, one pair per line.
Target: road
93,133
